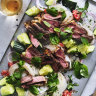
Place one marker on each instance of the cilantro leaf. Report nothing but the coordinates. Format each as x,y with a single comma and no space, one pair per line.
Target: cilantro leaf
33,89
14,79
80,70
47,24
52,11
54,39
36,61
71,85
52,82
84,41
68,30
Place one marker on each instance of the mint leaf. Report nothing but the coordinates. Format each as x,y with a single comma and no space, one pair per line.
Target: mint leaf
86,5
84,41
33,89
80,70
52,11
63,15
39,35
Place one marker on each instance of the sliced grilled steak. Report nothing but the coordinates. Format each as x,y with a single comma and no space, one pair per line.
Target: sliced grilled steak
37,80
34,41
26,79
49,17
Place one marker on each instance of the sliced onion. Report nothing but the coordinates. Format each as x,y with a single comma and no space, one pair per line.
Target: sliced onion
13,68
31,69
9,57
68,60
61,86
42,8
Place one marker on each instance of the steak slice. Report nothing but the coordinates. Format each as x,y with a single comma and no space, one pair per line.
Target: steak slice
37,80
26,79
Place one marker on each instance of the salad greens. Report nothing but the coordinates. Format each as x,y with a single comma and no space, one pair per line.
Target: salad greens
70,4
54,39
52,82
63,15
16,56
14,79
34,89
57,29
36,61
68,30
39,35
71,85
52,11
80,70
47,24
84,41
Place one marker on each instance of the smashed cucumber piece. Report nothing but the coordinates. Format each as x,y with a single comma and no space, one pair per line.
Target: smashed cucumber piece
85,49
69,43
72,49
23,38
50,2
95,31
20,91
7,90
45,70
3,81
33,11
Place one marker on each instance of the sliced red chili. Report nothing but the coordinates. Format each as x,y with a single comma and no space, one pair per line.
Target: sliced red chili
61,44
10,64
76,14
45,11
5,73
67,93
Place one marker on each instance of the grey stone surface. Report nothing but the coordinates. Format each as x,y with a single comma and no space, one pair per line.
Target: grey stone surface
89,61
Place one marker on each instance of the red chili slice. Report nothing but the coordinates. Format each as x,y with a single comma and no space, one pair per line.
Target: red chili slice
76,14
10,64
67,93
5,73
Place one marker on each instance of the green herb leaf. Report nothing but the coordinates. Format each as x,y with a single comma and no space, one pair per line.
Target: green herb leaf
68,30
63,15
36,61
15,56
14,79
33,89
57,29
52,11
54,39
84,41
52,82
47,24
80,70
86,5
71,84
63,35
84,71
39,35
